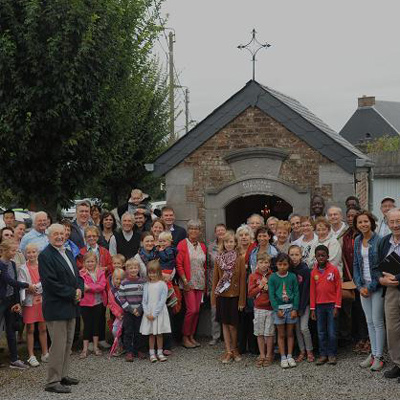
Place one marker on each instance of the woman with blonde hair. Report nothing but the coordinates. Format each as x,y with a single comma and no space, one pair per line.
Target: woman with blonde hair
228,293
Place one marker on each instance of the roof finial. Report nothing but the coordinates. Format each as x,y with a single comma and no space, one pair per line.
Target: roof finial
254,46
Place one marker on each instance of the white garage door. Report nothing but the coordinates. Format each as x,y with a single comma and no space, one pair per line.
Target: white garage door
385,187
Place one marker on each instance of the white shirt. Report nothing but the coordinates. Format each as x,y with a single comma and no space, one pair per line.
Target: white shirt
61,250
366,269
306,248
394,247
337,233
383,228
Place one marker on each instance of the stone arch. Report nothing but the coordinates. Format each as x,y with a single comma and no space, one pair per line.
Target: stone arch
217,200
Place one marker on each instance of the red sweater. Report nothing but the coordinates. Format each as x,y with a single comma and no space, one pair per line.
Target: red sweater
261,296
105,260
325,287
183,260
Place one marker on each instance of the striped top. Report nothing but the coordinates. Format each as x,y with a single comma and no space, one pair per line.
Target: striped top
131,294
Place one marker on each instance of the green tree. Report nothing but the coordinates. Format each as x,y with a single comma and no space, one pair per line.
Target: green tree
383,144
75,94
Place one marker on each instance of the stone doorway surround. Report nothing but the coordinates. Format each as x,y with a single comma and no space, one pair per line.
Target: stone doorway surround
256,171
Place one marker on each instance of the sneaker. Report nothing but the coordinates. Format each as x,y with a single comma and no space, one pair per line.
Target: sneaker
33,362
332,360
285,363
227,358
321,360
377,365
104,345
153,358
161,357
392,373
129,357
367,362
45,357
18,365
213,342
291,362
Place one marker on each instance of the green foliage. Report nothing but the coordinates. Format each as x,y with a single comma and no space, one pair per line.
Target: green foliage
81,97
383,144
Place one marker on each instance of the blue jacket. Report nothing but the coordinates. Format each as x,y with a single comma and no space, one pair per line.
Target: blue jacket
5,279
373,263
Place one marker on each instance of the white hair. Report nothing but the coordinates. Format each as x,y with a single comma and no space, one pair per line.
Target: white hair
391,211
39,214
335,208
244,228
194,223
258,216
127,214
54,227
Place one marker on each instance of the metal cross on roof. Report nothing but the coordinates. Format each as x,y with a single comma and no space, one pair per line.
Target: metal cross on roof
254,46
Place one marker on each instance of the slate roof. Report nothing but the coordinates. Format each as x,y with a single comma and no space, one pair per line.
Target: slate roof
381,119
284,109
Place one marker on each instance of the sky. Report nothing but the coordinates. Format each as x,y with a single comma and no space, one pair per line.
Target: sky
323,53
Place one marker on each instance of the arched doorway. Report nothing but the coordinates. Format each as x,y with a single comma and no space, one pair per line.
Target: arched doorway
238,210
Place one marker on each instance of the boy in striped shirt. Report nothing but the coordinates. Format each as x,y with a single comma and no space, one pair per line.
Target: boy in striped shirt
131,295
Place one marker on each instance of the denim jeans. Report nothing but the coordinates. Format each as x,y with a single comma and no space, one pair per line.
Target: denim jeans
9,319
326,326
303,332
373,308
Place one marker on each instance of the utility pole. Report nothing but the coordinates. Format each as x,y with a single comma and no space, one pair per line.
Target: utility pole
187,110
172,137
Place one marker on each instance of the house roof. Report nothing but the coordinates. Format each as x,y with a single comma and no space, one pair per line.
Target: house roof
284,109
383,118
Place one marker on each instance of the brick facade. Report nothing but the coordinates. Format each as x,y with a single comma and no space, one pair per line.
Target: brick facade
253,128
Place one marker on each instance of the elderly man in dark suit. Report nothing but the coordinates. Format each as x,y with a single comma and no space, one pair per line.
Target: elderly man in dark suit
62,291
387,245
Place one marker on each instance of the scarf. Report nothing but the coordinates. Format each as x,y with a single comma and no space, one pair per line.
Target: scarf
150,256
226,261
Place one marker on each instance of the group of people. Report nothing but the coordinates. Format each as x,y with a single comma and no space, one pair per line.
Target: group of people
308,283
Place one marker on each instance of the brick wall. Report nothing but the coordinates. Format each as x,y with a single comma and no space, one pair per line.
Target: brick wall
362,188
253,128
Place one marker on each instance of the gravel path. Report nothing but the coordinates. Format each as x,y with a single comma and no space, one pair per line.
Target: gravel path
198,374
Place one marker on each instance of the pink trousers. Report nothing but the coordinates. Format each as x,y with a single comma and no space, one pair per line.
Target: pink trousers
192,303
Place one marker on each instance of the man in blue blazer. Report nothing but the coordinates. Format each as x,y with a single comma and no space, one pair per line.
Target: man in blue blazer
62,290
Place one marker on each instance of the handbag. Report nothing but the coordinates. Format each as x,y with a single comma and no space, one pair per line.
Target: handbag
348,287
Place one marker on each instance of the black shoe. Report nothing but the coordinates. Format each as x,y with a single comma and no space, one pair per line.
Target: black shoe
392,373
69,381
57,388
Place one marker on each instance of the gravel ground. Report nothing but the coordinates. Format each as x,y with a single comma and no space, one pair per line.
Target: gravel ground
198,374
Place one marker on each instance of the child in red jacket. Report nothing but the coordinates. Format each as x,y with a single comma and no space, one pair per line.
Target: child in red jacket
325,301
264,327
